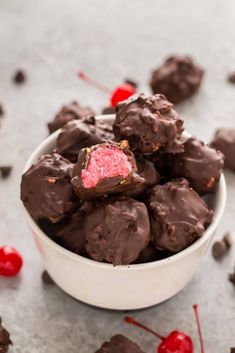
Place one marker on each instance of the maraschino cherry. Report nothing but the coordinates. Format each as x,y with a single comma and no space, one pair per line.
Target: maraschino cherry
10,261
176,341
119,94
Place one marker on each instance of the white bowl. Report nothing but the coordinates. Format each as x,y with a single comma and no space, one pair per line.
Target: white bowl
122,287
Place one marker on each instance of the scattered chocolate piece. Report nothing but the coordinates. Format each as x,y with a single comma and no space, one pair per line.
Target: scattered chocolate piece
228,240
224,141
178,78
119,344
72,111
46,190
200,164
108,110
231,277
103,169
149,123
19,77
2,112
5,339
46,278
231,77
219,249
117,231
78,134
178,215
5,171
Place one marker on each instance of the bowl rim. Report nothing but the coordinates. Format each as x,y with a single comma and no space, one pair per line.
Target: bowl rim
218,212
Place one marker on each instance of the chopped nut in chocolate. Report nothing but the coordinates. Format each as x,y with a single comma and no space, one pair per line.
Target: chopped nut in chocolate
5,339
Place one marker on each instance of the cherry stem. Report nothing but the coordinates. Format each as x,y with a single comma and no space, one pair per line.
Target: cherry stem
93,83
195,308
131,320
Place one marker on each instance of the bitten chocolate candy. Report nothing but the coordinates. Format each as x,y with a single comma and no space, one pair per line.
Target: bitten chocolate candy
78,134
224,140
46,190
178,215
149,123
117,231
200,164
178,78
103,169
72,111
119,344
5,340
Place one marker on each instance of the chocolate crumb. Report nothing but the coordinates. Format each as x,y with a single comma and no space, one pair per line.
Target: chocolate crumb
231,277
5,171
231,77
5,340
19,77
1,110
221,247
46,278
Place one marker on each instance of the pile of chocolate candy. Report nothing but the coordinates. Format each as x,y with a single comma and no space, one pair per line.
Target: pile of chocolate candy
130,193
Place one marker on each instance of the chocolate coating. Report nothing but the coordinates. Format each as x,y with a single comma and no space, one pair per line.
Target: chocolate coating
224,141
149,123
46,190
72,111
109,185
200,164
150,254
178,78
5,340
178,215
148,172
78,134
119,344
117,231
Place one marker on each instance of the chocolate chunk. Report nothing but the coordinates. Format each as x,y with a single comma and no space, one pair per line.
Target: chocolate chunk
200,164
19,77
147,171
108,110
231,277
149,123
178,78
2,112
178,215
224,141
78,134
46,190
5,171
219,249
72,111
46,278
231,77
5,340
117,231
119,344
103,169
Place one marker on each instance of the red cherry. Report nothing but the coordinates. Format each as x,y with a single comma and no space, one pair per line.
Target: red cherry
176,342
121,93
10,261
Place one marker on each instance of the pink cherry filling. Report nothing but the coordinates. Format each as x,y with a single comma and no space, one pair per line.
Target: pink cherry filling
105,162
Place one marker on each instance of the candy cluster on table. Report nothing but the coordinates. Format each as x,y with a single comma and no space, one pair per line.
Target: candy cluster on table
125,194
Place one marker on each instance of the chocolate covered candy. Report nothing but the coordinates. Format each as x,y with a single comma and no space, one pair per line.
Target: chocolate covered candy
149,123
200,164
117,231
103,169
178,78
46,190
78,134
119,344
67,113
224,140
178,215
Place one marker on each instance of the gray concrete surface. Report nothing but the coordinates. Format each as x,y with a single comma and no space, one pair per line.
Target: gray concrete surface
110,40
